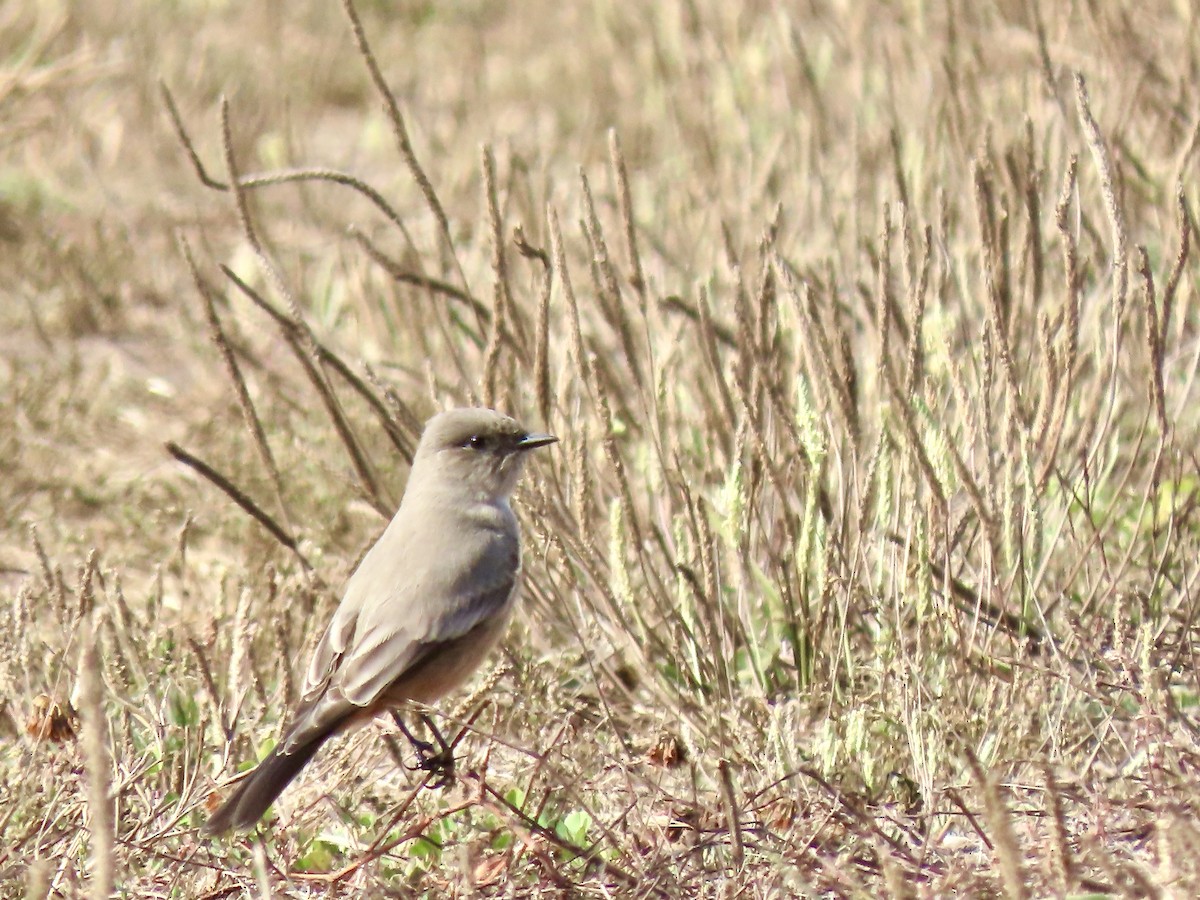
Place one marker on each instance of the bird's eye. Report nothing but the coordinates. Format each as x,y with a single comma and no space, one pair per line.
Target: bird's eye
477,442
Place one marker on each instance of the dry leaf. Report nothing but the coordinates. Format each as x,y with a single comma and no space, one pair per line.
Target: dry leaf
51,720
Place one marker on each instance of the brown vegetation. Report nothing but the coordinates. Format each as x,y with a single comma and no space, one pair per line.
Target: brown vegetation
867,562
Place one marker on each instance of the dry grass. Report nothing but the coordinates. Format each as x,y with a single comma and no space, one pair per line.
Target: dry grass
868,560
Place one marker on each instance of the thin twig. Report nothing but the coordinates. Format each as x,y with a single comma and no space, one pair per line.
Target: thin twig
625,202
400,132
435,285
238,497
401,442
249,413
541,344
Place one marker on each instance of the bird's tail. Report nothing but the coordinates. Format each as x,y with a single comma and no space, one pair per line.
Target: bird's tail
260,788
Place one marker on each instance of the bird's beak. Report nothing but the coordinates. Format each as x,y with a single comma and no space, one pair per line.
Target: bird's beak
535,440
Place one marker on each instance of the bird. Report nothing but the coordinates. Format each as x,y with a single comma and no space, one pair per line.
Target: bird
422,610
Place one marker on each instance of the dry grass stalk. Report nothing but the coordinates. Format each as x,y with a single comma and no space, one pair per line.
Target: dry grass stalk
1154,341
434,285
501,291
403,143
819,354
1000,826
579,353
1183,218
995,286
541,343
234,371
1062,859
262,880
1116,217
733,816
238,497
269,179
301,339
1050,440
708,332
637,280
399,422
608,290
98,762
834,484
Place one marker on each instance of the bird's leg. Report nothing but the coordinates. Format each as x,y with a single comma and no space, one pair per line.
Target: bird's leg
442,762
423,748
439,761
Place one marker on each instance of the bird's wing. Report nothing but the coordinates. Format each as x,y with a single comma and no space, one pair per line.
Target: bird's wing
378,633
328,654
385,651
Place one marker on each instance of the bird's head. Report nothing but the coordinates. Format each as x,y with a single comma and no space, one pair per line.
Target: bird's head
478,449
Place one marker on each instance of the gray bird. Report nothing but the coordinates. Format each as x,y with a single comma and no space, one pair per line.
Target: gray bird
423,609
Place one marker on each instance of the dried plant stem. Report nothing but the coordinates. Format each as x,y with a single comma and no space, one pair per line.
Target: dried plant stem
607,288
625,201
501,291
402,442
302,339
999,819
238,497
1063,858
1120,256
262,880
1154,341
1185,233
288,176
721,332
249,413
433,285
98,763
541,355
404,144
1049,440
1116,217
999,299
732,814
559,253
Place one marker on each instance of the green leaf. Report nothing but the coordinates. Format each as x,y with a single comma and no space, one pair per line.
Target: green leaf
573,827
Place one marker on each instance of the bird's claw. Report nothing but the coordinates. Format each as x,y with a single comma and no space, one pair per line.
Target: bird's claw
437,762
437,759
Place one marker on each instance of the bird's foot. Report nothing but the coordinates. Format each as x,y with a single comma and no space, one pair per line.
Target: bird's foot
437,759
439,763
